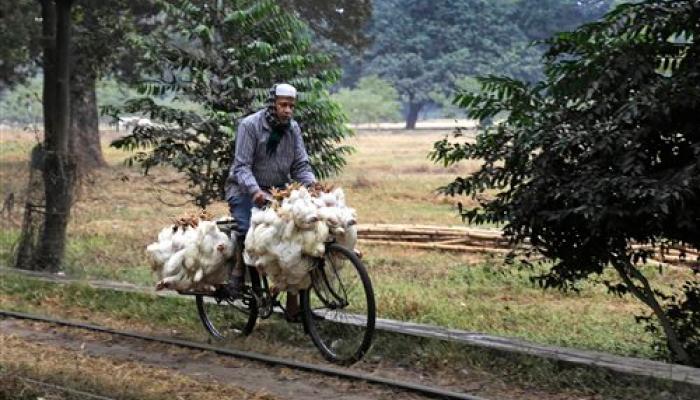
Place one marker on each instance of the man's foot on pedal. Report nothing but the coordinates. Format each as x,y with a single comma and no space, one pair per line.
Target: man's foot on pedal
294,318
234,287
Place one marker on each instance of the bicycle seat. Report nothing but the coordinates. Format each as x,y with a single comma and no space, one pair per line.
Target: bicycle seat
227,225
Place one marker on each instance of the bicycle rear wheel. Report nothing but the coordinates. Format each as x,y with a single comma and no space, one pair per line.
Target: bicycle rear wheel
339,309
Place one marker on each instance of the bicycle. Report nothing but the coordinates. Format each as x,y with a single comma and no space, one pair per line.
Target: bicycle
338,309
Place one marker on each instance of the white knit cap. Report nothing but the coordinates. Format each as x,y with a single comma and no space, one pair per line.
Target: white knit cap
285,89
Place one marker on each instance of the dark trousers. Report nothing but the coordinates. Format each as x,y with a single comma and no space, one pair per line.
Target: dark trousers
241,207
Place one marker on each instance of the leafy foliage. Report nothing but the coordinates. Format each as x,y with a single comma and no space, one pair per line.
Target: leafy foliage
444,100
22,103
602,153
21,35
424,48
374,100
339,21
224,55
540,19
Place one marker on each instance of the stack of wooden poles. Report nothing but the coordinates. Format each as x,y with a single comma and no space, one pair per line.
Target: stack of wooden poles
484,241
435,237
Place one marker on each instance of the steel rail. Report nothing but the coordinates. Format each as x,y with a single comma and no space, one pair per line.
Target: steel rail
429,391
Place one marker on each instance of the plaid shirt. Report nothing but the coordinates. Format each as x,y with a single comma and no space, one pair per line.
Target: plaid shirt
253,169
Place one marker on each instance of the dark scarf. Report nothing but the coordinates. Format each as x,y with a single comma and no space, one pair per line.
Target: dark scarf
278,128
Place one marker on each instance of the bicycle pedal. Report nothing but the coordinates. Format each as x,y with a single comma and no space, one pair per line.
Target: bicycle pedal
357,252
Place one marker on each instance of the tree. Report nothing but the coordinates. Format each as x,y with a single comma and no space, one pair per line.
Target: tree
21,41
374,100
22,103
339,21
101,32
224,56
601,155
421,47
424,48
59,166
93,24
540,19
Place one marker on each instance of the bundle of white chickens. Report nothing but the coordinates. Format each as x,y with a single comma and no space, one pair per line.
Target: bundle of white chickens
191,254
284,238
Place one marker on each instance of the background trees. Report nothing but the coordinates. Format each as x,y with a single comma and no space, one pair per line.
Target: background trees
106,42
99,47
224,56
21,35
601,155
342,22
417,49
424,48
372,101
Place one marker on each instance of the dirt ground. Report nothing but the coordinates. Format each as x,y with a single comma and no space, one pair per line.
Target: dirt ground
111,363
256,379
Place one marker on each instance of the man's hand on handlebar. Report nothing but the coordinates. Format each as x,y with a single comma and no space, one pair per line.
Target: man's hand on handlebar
260,198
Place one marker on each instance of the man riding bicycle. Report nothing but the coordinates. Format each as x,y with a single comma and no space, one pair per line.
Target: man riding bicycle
269,153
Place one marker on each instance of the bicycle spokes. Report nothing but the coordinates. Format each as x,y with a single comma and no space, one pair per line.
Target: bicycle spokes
339,306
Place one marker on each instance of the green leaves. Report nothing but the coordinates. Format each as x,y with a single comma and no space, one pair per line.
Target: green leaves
223,56
373,101
423,49
601,154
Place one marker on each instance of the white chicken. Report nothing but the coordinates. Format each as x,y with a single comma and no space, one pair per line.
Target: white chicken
191,258
213,250
284,242
285,248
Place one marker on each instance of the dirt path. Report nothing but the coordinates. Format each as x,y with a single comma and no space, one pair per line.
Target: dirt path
256,378
104,364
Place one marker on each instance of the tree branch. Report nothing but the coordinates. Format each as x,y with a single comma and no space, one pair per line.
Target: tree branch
625,269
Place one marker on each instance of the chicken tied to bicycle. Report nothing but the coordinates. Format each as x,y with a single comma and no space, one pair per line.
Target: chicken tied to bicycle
283,241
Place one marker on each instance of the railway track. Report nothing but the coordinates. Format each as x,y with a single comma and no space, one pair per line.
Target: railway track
62,389
641,368
428,391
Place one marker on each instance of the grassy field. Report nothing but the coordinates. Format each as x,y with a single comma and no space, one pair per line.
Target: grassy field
388,180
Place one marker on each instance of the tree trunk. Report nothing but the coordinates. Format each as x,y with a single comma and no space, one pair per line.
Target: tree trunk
412,116
59,167
84,142
33,217
627,271
48,42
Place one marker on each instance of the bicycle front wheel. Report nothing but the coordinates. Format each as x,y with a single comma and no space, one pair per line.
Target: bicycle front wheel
339,309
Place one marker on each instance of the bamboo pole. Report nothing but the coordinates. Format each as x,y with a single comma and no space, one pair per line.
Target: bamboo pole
437,233
469,239
666,251
434,246
428,228
413,237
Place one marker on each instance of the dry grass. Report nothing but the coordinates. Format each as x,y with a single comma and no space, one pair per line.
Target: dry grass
124,379
392,180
